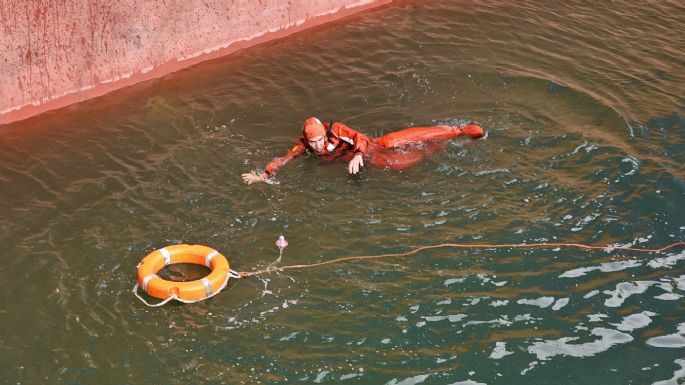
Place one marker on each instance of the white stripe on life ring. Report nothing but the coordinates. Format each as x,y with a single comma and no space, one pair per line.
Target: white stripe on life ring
208,286
147,279
167,256
208,258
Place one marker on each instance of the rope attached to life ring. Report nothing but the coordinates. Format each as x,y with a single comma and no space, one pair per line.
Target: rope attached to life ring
462,246
271,269
231,274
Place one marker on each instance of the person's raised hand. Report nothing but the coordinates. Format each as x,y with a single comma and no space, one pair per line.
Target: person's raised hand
252,177
355,164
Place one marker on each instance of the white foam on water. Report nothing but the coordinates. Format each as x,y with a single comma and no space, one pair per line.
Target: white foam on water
551,348
635,321
467,382
499,321
677,375
487,279
488,172
680,282
410,380
587,147
675,340
497,303
606,267
669,297
596,317
321,376
541,302
624,290
500,351
289,337
561,302
350,376
456,317
634,162
666,262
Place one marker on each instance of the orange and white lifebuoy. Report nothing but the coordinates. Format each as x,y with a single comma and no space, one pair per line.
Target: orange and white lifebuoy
190,291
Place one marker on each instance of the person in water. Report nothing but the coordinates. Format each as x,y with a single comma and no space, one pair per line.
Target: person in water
336,141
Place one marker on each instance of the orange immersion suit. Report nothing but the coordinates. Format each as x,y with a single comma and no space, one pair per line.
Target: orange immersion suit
396,150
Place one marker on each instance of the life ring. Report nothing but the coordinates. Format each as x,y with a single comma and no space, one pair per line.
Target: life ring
190,291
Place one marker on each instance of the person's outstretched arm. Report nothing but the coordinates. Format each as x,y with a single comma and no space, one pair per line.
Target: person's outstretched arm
272,167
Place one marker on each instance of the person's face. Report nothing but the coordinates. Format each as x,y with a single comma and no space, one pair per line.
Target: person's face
317,143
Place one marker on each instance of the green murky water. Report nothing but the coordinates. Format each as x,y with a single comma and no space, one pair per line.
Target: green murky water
583,104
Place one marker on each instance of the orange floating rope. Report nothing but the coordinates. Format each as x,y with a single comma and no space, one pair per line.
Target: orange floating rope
462,246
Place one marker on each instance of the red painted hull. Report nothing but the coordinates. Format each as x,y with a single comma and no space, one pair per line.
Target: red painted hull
53,54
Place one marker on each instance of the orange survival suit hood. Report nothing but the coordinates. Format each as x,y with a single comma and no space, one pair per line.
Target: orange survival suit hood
312,128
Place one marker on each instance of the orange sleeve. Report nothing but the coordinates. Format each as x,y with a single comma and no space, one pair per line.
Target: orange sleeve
360,142
273,166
